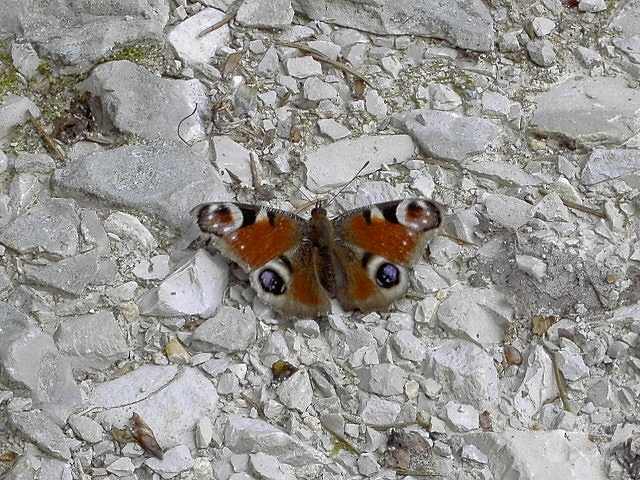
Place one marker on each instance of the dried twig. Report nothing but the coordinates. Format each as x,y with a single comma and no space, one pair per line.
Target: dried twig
231,12
53,148
562,389
582,208
324,59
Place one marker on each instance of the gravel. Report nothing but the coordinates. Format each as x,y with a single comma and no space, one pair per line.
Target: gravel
515,351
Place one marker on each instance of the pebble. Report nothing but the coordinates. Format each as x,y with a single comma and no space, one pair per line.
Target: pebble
296,391
303,67
193,49
122,467
175,460
464,418
383,379
315,90
332,129
541,52
266,14
228,330
593,6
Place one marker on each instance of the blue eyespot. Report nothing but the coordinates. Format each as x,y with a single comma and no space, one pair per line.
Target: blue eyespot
387,275
272,282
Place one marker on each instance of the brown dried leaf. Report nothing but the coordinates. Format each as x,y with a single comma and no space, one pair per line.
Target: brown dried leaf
512,355
176,353
145,436
485,422
282,370
8,456
295,134
541,323
359,87
231,64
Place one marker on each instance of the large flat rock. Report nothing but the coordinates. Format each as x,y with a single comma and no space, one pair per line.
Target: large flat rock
78,32
170,400
588,112
554,455
465,24
335,164
137,102
30,360
163,179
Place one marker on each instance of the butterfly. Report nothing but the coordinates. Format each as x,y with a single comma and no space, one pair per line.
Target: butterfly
361,258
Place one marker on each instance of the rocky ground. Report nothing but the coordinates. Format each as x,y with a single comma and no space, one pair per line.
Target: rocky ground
516,353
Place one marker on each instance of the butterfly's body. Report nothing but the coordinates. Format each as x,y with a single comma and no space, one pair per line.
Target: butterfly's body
360,258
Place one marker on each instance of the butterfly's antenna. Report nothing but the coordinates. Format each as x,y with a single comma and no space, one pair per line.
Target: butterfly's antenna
366,164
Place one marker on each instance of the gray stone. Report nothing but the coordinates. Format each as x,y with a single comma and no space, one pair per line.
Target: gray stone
228,384
248,435
92,341
93,232
25,59
232,157
534,266
230,330
476,314
265,13
466,25
443,97
156,268
383,379
30,360
146,179
70,275
51,227
375,104
378,412
333,129
466,373
605,165
15,111
538,385
296,392
588,56
204,432
303,67
269,66
193,49
408,346
245,101
602,393
495,104
571,365
121,467
502,172
137,102
334,164
128,227
463,418
175,460
509,42
447,135
551,209
589,111
509,212
316,90
33,163
541,26
195,288
170,399
368,465
38,428
328,49
86,429
519,453
391,65
267,467
79,33
593,6
541,52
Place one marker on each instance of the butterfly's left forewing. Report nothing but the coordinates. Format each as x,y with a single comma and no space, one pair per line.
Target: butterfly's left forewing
270,245
376,246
